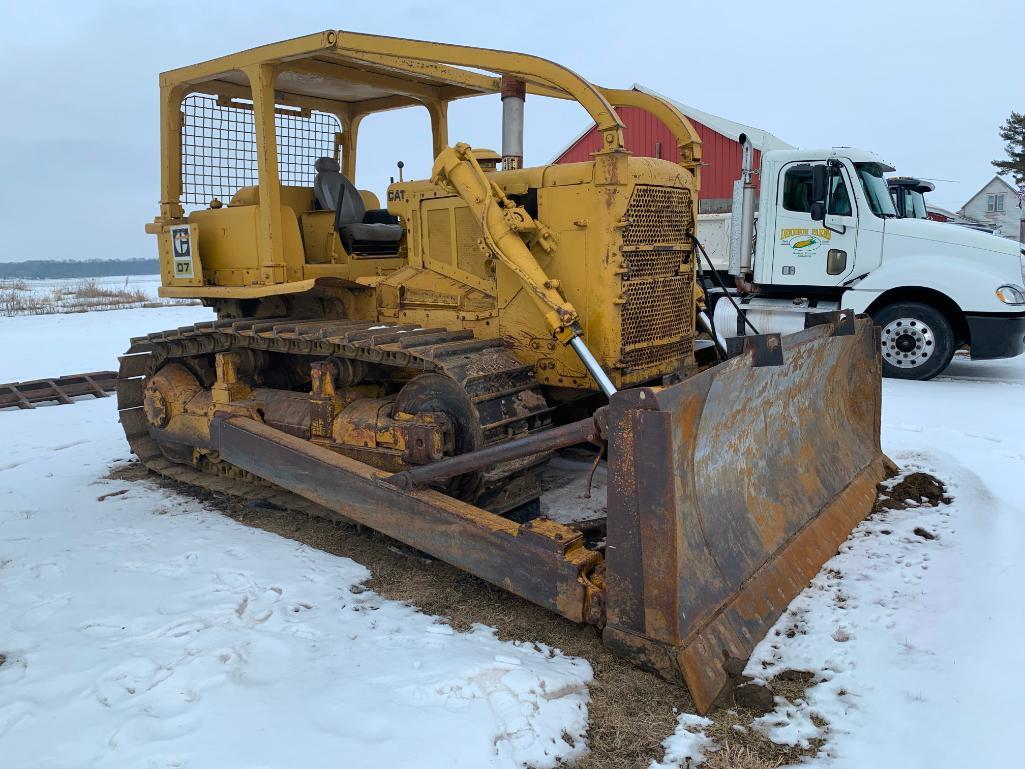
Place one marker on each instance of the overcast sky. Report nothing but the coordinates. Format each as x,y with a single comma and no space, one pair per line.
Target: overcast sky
926,85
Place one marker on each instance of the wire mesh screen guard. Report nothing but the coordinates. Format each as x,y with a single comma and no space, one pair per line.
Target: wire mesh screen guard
219,146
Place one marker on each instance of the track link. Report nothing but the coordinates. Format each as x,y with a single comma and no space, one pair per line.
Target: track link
503,390
25,395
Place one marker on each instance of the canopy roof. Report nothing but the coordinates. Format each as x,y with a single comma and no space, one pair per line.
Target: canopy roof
370,73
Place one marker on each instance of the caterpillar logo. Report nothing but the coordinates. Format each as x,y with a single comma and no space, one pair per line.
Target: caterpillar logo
395,195
181,252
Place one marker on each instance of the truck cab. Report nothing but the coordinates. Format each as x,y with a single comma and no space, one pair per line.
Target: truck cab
908,195
829,236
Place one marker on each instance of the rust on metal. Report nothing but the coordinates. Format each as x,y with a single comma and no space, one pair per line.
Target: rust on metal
25,395
581,431
719,515
542,561
765,349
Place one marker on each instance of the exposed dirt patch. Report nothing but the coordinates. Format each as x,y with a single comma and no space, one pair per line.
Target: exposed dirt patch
3,659
631,712
916,488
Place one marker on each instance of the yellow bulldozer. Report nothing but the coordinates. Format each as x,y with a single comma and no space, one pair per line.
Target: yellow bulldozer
415,367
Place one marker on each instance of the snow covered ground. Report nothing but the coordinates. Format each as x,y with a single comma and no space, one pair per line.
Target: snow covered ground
36,346
145,630
919,639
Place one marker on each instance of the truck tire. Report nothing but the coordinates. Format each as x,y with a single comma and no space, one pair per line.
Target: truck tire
917,340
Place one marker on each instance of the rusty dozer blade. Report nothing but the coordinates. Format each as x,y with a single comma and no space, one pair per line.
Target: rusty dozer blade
730,490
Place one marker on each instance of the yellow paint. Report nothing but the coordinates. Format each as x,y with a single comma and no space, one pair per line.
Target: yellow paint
570,266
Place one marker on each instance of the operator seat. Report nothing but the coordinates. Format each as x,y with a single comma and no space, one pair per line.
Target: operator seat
362,231
327,183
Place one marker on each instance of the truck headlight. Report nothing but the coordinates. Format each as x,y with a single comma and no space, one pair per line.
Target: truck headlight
1011,294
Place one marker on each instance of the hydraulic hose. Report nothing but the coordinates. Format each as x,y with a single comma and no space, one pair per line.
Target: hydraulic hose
718,281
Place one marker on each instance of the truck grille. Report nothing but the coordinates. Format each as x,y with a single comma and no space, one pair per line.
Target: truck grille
657,317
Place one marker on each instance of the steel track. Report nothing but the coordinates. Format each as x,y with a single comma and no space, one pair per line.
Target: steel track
503,390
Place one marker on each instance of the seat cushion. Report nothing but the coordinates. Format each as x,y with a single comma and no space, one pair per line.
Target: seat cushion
380,233
327,184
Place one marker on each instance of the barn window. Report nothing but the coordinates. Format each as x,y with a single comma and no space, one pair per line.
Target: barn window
995,203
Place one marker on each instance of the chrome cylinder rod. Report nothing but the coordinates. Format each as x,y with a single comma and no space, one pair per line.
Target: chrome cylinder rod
717,338
595,370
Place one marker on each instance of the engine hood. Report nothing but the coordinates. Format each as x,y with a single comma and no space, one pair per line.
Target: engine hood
951,234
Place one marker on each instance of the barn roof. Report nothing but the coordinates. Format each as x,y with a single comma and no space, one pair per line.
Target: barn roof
760,139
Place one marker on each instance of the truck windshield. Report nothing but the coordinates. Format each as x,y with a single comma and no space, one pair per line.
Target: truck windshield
878,194
916,205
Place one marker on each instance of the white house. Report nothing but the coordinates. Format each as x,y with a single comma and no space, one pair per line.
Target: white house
996,204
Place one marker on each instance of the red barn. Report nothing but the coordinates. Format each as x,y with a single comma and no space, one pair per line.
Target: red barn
720,149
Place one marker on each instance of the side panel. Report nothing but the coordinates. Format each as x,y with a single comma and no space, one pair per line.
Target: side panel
968,276
228,241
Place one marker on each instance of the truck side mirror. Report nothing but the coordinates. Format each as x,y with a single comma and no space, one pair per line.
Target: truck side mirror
819,182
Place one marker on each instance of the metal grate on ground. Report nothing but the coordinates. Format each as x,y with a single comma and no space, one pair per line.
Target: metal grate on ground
25,395
219,146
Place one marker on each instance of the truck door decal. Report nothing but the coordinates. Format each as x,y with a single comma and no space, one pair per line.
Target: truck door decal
804,241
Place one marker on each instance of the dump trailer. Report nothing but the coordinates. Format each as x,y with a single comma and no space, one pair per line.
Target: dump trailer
415,367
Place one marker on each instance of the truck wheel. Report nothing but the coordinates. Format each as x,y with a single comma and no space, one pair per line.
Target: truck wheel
917,341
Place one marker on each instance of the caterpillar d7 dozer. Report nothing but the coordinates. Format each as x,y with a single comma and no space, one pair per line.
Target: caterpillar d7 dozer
424,368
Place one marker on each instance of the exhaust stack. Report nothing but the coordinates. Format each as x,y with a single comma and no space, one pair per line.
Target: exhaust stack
514,93
743,220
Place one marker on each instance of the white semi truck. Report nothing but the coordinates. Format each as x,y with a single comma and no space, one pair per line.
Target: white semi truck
827,237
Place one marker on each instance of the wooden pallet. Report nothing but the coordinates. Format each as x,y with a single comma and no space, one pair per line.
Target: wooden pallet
25,395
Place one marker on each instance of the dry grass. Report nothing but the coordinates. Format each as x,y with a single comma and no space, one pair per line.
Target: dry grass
18,298
90,291
630,713
733,755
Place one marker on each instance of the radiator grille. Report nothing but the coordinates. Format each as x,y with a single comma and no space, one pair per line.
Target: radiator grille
645,357
657,309
655,263
658,216
657,318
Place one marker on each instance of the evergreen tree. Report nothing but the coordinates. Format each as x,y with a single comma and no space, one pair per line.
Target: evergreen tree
1013,133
